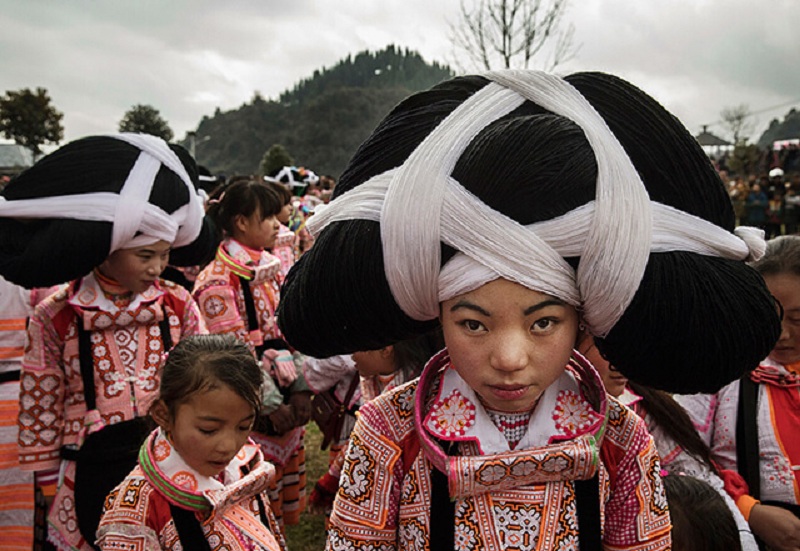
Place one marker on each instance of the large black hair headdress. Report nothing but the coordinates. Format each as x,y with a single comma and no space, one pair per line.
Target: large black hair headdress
72,209
583,188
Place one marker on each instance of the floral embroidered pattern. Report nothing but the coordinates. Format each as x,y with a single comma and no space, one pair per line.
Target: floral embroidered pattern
572,415
452,415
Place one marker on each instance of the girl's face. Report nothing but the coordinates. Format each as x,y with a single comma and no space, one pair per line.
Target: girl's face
375,362
285,213
256,232
138,268
208,429
508,343
613,380
785,288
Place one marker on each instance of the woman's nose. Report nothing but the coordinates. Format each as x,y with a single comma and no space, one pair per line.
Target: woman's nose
509,353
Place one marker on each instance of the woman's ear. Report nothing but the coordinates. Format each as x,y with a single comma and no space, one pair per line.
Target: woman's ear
160,414
240,223
387,351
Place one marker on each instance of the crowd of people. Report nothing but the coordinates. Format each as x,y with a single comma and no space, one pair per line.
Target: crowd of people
538,327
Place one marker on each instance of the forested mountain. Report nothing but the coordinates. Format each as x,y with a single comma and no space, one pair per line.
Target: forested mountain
786,130
322,120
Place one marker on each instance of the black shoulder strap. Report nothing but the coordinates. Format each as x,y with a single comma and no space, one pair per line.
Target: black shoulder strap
250,311
87,364
587,503
747,435
188,527
443,513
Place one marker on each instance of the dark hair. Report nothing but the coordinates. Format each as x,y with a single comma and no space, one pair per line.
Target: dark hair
690,325
242,197
40,253
701,520
673,419
282,191
202,362
782,256
411,355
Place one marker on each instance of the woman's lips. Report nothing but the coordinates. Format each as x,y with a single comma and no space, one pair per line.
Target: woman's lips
508,392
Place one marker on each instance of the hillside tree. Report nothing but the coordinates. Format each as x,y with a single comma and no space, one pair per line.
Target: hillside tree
29,118
275,159
511,33
737,121
145,119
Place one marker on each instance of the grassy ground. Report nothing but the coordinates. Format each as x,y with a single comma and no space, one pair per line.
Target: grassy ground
310,534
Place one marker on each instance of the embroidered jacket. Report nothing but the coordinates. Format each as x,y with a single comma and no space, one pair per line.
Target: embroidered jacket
220,297
138,516
286,248
519,499
778,404
126,348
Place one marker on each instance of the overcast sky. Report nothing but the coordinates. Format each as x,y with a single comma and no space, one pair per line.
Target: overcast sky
97,58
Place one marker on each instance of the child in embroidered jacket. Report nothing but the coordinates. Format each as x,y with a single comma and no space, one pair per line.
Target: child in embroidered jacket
110,212
199,459
510,209
238,293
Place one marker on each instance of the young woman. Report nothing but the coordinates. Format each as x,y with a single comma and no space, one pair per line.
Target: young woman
470,207
108,212
752,425
198,469
238,293
680,448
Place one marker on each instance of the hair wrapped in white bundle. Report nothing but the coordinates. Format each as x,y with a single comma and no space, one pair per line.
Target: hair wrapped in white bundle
136,221
613,246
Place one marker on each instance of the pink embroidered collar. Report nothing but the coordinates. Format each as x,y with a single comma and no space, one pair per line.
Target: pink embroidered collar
267,267
562,443
165,469
100,312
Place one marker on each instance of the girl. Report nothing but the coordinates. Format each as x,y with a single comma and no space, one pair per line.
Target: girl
198,468
751,425
238,293
109,212
379,371
286,246
680,448
386,368
471,206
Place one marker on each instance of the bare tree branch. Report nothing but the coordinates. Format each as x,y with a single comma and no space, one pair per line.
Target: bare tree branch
737,120
513,33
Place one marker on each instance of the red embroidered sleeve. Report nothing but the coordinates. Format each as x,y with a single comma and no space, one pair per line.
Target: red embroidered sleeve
42,391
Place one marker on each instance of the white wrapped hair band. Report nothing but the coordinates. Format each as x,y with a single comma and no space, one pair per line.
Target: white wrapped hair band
137,222
613,246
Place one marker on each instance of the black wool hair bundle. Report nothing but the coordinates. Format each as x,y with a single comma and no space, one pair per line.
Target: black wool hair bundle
40,252
695,323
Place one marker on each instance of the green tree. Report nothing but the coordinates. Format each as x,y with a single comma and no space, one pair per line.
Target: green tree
29,119
145,119
275,159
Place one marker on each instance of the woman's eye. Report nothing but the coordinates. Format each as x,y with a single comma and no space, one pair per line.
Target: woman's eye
542,324
472,325
207,431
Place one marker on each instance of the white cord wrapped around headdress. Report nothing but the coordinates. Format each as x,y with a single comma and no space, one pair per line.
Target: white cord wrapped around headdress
613,245
137,222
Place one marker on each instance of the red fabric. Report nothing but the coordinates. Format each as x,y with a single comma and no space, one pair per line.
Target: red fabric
786,403
735,485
